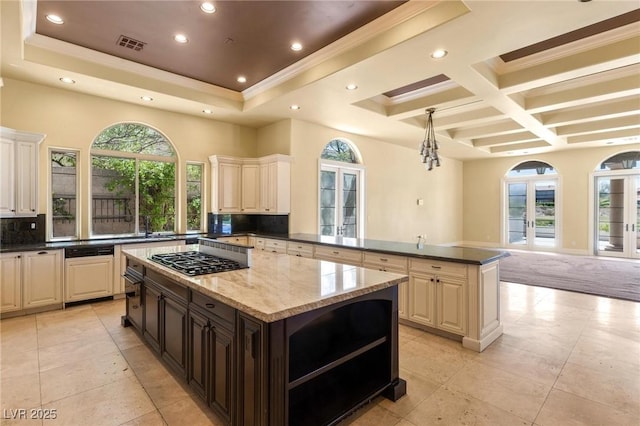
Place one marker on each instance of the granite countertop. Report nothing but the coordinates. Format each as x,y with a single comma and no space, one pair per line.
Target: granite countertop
277,286
8,248
473,256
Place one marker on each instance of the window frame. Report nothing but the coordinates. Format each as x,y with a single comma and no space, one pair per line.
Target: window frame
78,194
137,157
203,216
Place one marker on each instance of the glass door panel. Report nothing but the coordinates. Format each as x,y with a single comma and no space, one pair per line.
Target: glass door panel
617,216
328,202
349,204
545,214
517,213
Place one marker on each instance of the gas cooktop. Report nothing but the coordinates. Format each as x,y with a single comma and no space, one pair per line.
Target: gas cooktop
196,263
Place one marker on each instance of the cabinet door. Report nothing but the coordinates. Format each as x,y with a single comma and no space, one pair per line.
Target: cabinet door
42,278
265,202
229,187
222,367
88,278
250,372
250,187
174,333
198,372
10,282
422,296
26,178
451,305
7,178
152,299
403,300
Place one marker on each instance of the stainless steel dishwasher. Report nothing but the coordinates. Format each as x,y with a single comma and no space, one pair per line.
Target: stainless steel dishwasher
88,272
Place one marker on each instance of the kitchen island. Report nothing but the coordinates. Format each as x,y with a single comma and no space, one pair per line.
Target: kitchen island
287,341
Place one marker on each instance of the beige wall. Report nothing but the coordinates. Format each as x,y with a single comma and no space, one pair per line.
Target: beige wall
394,181
482,191
73,120
274,139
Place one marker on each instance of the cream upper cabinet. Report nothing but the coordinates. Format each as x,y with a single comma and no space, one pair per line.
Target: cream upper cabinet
275,184
226,176
10,282
18,172
42,273
250,185
250,188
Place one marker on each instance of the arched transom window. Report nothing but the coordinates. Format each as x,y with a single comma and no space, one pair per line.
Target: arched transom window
133,181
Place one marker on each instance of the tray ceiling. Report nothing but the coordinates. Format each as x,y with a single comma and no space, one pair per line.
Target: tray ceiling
519,77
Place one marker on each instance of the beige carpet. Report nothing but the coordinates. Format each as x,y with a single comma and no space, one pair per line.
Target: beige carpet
615,278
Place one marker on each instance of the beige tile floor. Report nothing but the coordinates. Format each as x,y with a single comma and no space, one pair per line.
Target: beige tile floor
564,359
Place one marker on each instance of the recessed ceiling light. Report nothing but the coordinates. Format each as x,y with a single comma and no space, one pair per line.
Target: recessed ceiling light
241,79
207,111
439,53
207,7
55,19
296,46
295,107
181,38
146,98
610,143
67,80
351,86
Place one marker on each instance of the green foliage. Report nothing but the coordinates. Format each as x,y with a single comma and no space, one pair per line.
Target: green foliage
134,138
338,150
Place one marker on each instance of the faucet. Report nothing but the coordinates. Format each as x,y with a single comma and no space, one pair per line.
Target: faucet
420,244
147,226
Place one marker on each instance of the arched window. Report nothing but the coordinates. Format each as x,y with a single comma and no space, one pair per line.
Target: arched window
341,195
339,150
531,206
133,181
617,206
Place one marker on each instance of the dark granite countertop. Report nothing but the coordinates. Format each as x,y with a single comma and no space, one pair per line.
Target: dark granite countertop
473,256
8,248
467,255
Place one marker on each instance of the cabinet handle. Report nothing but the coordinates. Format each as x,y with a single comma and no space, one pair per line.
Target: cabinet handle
13,210
436,267
382,259
33,210
210,305
335,252
437,280
18,257
432,280
42,252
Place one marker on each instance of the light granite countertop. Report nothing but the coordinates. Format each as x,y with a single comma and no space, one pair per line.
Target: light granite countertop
277,286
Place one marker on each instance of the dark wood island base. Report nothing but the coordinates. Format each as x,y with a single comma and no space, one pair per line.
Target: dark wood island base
312,368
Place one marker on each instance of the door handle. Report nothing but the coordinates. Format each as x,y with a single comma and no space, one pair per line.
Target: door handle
626,227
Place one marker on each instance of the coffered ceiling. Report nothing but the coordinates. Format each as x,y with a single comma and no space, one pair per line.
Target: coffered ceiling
519,77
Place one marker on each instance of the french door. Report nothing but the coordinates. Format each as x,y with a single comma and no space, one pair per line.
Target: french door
531,219
617,215
340,205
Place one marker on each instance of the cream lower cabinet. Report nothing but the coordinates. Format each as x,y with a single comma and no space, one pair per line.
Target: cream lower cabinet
438,295
338,255
391,263
244,240
88,278
30,280
275,246
42,278
10,282
300,249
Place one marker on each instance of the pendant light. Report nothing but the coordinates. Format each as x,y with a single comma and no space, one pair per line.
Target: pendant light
429,146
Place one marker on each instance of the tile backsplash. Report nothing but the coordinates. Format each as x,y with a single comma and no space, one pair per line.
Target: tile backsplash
239,223
22,230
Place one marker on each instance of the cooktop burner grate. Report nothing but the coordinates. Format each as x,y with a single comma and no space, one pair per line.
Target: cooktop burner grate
196,263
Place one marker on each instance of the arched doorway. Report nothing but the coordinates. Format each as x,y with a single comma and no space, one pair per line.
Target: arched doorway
531,207
341,194
617,206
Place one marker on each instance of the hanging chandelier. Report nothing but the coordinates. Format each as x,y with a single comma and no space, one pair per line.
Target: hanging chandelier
429,146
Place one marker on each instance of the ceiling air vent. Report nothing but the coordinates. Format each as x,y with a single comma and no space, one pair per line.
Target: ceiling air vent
130,43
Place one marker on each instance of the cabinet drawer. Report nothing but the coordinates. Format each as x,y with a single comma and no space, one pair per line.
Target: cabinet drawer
259,243
212,306
299,249
339,255
388,262
243,240
441,268
275,246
